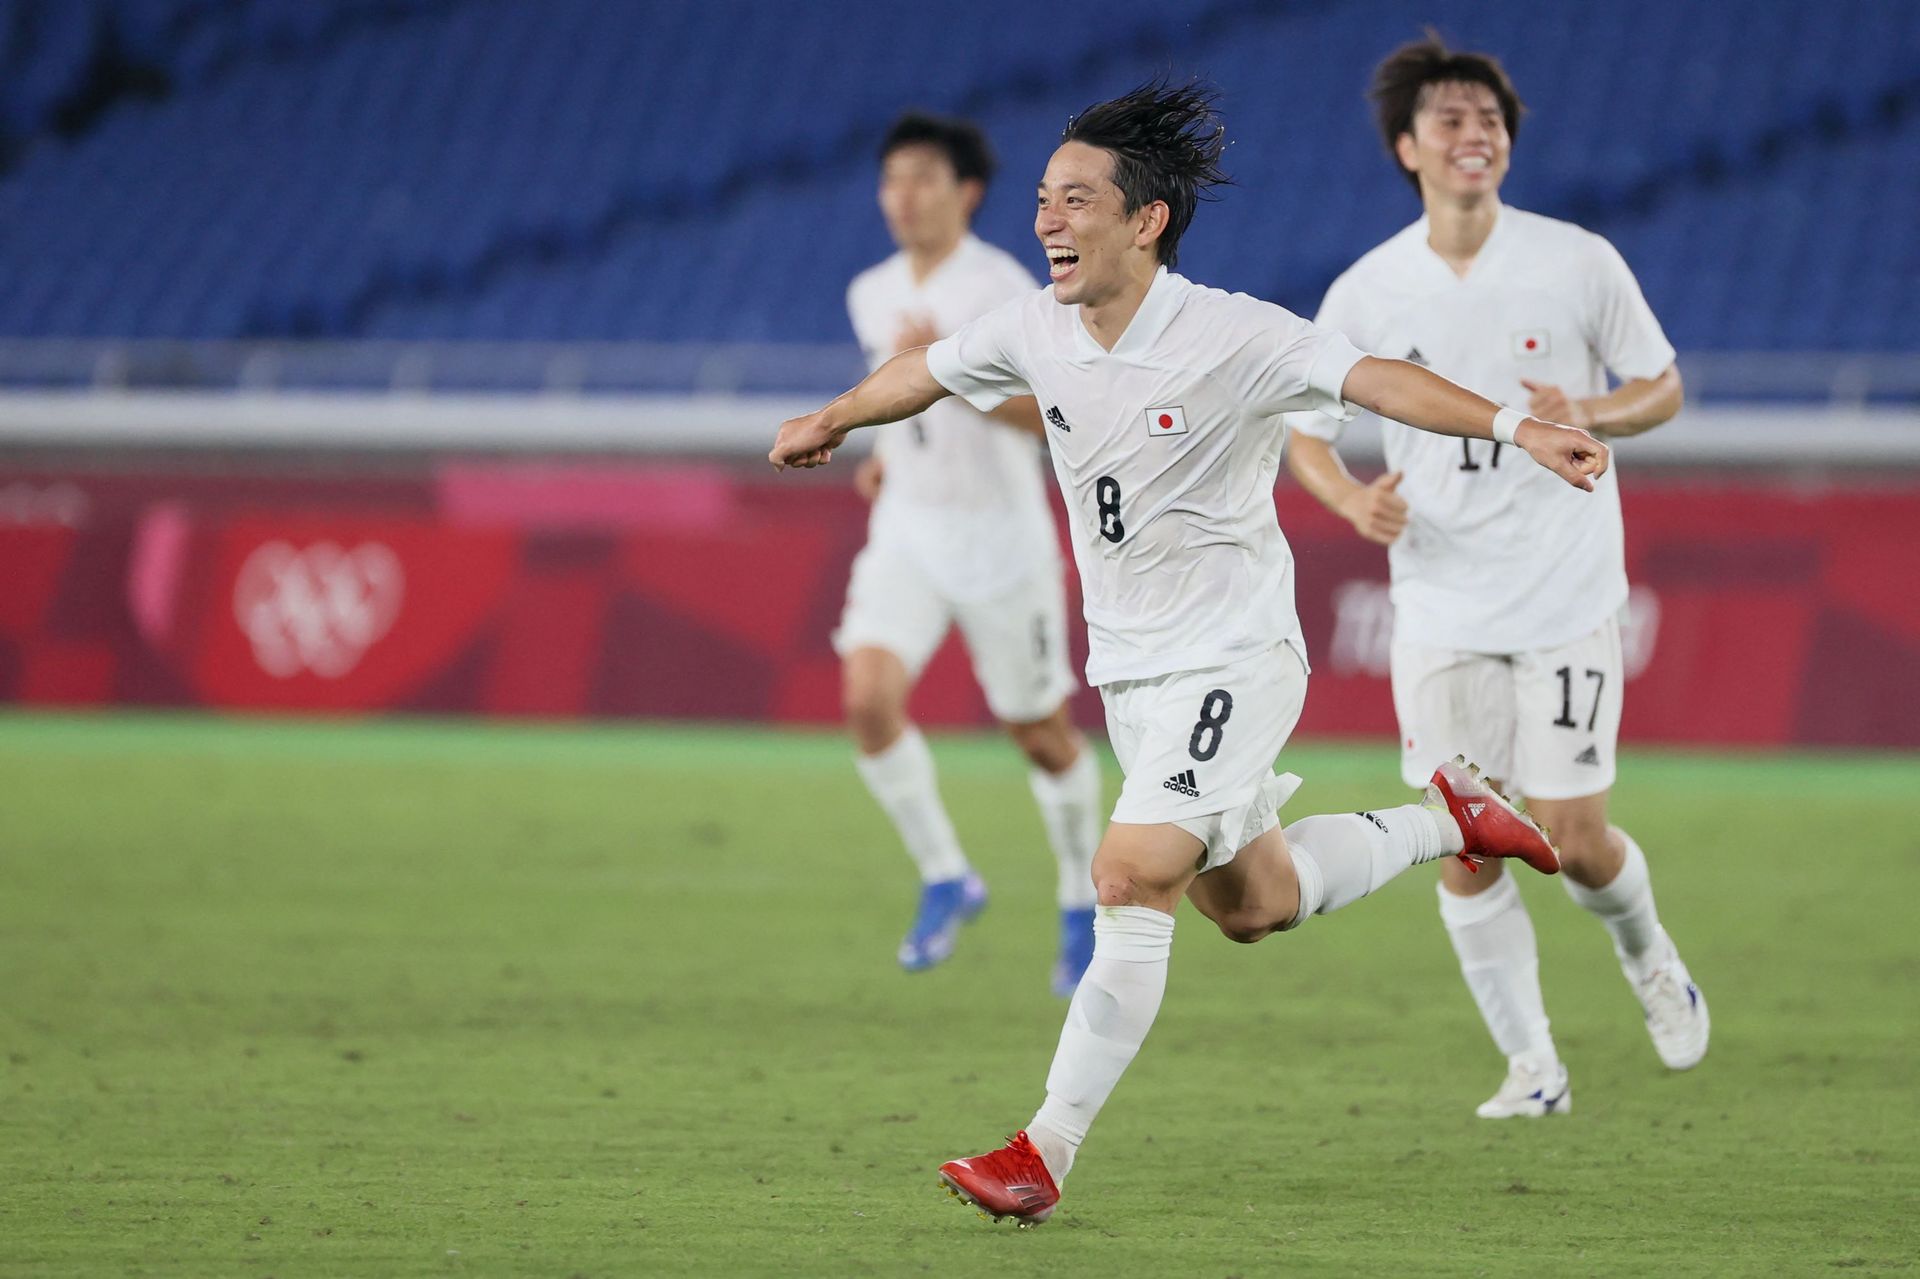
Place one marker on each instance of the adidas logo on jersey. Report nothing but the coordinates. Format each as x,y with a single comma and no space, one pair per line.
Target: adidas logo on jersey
1591,755
1056,418
1414,357
1184,784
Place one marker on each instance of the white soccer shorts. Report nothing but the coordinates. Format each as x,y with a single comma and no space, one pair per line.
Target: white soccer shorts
1545,723
1198,747
1017,640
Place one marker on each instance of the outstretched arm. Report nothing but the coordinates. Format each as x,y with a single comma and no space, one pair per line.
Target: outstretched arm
1408,393
897,389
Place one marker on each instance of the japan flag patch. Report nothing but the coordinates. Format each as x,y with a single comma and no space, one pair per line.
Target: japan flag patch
1530,344
1167,421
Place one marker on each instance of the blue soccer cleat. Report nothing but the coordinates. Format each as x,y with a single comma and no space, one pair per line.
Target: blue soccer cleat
1076,950
944,907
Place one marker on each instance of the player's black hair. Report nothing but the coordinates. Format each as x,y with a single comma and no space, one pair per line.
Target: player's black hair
1166,141
966,148
1403,81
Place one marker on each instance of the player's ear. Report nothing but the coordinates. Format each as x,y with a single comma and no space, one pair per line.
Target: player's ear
1151,221
972,192
1405,151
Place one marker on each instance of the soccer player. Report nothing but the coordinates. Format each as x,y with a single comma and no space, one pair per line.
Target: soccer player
960,533
1506,586
1171,393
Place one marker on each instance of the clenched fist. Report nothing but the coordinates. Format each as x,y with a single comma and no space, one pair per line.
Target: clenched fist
1376,511
805,441
1567,451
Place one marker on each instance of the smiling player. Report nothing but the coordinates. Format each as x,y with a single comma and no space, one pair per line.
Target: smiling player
1506,587
1173,391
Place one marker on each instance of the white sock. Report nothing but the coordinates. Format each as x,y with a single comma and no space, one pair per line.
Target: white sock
902,781
1106,1024
1341,857
1493,936
1070,810
1626,907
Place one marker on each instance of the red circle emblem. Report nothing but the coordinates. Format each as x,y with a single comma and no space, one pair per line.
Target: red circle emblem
1166,420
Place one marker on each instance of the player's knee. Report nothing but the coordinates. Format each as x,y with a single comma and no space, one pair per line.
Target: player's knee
1582,841
1245,927
1121,884
1049,743
1115,889
873,717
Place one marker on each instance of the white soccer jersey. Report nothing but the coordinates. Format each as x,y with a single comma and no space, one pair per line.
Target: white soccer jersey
1499,555
1166,449
962,494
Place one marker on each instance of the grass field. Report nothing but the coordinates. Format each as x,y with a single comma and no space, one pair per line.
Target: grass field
406,999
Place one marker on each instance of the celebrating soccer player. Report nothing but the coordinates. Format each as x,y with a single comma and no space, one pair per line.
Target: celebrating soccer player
960,533
1172,392
1506,586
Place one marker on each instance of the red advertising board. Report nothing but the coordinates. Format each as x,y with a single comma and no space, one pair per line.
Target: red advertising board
1763,612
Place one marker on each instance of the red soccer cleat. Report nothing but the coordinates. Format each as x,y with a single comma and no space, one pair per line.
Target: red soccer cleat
1491,826
1012,1181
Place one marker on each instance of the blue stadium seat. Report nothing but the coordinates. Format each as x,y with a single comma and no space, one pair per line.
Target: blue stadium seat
579,170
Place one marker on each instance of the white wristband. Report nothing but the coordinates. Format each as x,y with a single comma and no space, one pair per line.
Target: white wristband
1505,423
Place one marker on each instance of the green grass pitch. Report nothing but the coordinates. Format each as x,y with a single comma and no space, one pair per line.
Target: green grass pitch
367,999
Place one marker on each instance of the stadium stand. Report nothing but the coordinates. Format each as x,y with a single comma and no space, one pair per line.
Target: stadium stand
677,170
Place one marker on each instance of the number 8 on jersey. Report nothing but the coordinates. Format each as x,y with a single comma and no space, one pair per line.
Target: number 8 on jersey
1106,492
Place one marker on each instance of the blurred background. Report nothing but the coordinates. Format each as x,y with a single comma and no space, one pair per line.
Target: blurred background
421,355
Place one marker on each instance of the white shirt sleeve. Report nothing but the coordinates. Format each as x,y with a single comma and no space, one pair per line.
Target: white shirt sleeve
1338,314
976,362
1298,366
1625,333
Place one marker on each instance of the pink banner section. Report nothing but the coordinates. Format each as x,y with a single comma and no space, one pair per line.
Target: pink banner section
1762,613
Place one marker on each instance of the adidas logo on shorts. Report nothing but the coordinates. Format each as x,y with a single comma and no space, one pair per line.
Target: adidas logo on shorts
1184,784
1591,755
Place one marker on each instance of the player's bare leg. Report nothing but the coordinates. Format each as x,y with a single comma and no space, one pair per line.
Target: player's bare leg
1316,866
898,769
874,686
1065,779
1592,852
1052,743
1254,895
1607,876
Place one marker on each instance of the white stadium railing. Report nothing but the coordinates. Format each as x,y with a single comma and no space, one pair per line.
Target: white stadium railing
1744,409
1851,379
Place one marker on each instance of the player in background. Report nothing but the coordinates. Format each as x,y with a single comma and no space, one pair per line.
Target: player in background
960,533
1507,587
1172,392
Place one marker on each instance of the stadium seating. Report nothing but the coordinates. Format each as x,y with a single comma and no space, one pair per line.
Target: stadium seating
703,170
